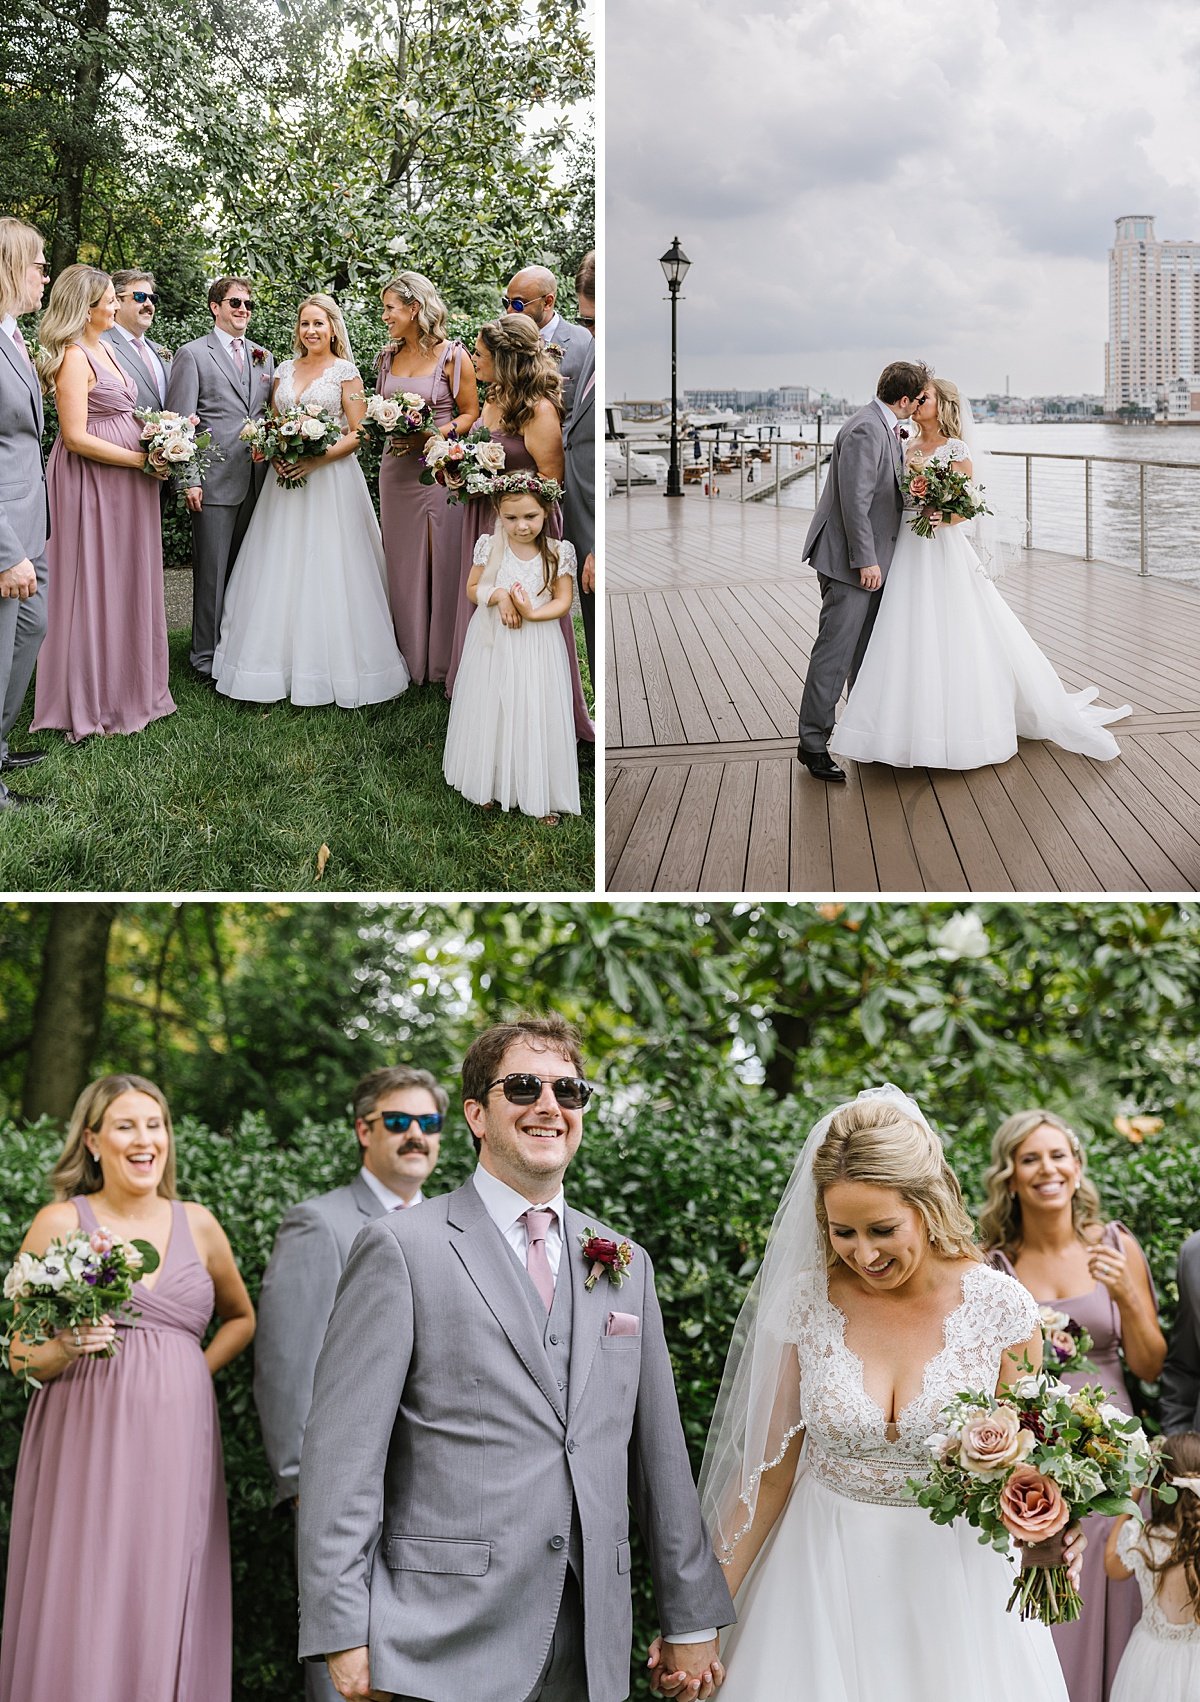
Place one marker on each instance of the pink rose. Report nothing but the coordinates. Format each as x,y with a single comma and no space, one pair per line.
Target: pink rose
990,1442
101,1241
919,486
1032,1508
1063,1343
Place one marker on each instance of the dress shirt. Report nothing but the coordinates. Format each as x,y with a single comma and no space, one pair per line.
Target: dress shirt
507,1209
8,325
384,1195
892,420
546,332
148,354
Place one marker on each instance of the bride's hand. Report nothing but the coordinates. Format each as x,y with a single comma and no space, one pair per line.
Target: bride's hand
1065,1549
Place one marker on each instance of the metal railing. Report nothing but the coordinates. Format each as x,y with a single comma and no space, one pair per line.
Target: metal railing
1089,493
736,466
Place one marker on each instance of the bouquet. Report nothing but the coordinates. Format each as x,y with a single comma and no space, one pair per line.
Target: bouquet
296,435
78,1279
1021,1466
391,419
172,445
464,466
1066,1345
940,490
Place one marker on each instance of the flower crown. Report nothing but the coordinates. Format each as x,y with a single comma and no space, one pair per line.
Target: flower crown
526,484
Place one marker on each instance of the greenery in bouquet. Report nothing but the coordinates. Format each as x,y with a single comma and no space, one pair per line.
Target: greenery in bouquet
390,420
299,433
173,445
463,466
1065,1344
944,493
79,1279
1020,1467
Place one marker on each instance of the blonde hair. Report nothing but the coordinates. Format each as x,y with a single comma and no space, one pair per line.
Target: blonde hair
76,291
1180,1457
874,1142
339,337
19,244
1000,1219
77,1172
416,291
949,407
526,371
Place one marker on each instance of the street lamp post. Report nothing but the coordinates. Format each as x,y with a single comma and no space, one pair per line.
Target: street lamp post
674,264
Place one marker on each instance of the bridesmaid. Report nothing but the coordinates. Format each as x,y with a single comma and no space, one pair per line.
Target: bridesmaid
1043,1224
422,532
118,1563
523,411
103,666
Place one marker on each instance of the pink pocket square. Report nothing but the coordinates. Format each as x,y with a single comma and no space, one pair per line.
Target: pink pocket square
622,1324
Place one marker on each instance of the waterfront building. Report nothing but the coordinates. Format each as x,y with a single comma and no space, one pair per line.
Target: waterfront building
1153,318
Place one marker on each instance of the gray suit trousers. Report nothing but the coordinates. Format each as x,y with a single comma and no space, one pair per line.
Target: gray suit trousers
217,533
847,619
564,1676
22,628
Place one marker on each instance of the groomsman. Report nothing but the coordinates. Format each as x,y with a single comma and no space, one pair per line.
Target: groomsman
1179,1406
533,292
398,1117
24,509
225,379
146,362
579,449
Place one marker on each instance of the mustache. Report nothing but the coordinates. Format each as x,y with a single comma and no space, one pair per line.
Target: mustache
411,1145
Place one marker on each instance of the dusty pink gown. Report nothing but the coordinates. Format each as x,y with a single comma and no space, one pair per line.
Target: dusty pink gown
103,665
118,1564
422,532
480,517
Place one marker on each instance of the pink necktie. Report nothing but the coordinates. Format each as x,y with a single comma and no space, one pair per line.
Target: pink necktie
239,359
139,348
20,342
537,1262
587,389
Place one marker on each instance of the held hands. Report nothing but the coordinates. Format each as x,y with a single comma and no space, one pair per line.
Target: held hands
19,581
870,578
194,497
350,1673
509,613
290,471
689,1671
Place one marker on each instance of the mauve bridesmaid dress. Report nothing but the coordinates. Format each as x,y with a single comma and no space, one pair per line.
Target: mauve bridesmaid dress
1090,1649
118,1562
481,517
422,532
103,665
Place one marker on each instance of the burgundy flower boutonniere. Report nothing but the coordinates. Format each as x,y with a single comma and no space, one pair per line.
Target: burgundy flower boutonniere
555,349
612,1257
258,356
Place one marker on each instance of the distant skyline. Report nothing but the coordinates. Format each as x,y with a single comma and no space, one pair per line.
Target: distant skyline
856,181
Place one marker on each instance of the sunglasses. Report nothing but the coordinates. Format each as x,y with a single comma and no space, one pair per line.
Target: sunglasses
571,1092
143,295
42,266
397,1122
518,304
589,323
239,301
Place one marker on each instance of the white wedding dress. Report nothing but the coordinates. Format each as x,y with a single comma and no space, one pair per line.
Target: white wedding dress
306,613
950,677
858,1596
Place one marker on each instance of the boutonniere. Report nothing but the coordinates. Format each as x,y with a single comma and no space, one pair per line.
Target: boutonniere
258,356
161,350
613,1257
555,349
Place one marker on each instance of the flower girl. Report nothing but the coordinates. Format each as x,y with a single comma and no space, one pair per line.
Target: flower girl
1162,1658
511,738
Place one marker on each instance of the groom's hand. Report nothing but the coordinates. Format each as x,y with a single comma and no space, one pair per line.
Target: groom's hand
350,1671
689,1671
870,578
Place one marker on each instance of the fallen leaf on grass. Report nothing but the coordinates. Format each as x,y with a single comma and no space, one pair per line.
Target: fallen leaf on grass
322,859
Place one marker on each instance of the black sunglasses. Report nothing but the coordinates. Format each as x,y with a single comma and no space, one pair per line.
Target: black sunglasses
239,301
589,323
143,295
397,1122
521,1088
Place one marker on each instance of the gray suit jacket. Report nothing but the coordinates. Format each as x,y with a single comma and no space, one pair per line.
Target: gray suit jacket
204,381
575,344
443,1466
858,516
1180,1404
579,447
147,395
298,1289
24,508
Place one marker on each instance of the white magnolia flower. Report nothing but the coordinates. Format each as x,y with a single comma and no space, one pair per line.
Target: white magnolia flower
962,936
490,456
312,429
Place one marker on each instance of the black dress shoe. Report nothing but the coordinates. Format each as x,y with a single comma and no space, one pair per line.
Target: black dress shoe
201,678
21,759
820,765
20,801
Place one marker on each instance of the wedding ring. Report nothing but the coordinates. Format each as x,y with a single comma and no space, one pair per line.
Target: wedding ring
78,1343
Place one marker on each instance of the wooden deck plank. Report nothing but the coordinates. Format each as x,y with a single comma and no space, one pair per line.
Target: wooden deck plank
683,857
625,797
810,863
725,859
636,869
983,866
656,677
1027,868
939,863
629,698
696,721
850,836
767,858
897,868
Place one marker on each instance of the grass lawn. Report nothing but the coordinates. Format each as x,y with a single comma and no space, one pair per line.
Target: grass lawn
224,797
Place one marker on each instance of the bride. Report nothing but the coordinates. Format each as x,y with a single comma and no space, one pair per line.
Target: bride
872,1309
951,677
306,612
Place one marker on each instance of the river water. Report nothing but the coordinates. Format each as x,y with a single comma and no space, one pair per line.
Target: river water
1172,492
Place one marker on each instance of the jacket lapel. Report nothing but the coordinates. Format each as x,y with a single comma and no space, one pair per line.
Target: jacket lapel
590,1308
25,373
490,1265
225,366
369,1204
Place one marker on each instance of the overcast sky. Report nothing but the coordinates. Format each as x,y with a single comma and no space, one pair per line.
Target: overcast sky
861,180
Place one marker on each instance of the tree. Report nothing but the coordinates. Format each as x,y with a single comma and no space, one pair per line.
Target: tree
70,1008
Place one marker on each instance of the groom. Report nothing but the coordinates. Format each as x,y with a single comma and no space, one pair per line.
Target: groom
481,1419
850,543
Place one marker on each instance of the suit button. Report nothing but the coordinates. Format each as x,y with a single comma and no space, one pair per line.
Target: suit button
571,1446
558,1542
553,1341
562,1387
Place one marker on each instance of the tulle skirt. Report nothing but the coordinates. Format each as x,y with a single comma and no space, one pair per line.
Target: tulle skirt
1159,1669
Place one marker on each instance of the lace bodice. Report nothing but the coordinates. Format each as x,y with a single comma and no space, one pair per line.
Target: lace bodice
847,1445
326,390
953,450
528,574
1133,1542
